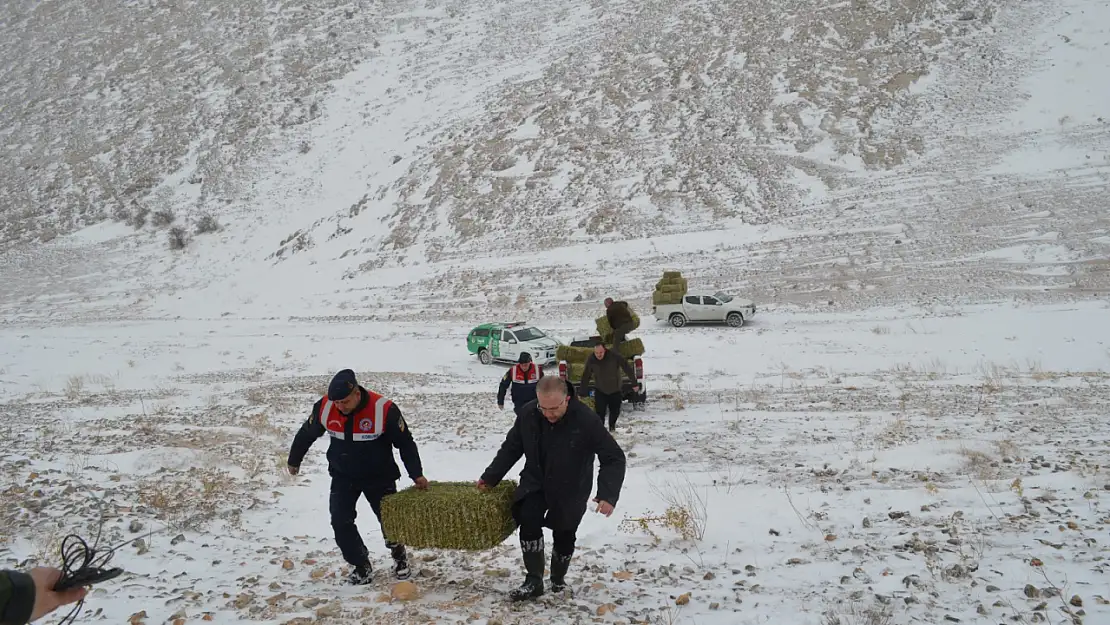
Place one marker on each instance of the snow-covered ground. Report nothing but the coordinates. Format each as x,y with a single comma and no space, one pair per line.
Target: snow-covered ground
912,429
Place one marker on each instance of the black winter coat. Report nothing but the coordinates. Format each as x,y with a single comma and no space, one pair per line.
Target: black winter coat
367,461
559,461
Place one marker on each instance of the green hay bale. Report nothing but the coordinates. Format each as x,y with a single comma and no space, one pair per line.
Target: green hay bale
628,349
606,331
573,354
665,299
631,348
671,274
450,515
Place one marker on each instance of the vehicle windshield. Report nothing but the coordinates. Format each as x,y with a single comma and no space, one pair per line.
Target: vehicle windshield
724,297
528,334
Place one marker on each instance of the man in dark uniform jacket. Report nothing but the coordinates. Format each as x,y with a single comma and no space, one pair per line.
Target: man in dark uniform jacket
523,378
558,437
364,428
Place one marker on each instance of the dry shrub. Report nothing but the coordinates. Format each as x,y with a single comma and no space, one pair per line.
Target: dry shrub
186,502
685,514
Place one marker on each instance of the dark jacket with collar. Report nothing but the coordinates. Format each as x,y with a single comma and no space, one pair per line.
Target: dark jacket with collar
606,373
559,461
17,597
368,461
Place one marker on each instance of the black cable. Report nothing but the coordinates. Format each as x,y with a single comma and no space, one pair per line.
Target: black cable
82,565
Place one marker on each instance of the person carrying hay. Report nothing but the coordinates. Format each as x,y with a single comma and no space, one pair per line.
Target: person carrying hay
558,436
364,428
605,366
523,378
619,315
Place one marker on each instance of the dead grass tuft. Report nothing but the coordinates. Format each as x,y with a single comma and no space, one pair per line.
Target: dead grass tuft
188,500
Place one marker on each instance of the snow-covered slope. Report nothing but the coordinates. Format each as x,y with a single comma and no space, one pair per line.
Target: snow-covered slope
911,429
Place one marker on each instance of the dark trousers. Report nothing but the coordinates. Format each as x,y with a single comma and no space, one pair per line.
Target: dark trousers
343,504
529,514
610,404
620,333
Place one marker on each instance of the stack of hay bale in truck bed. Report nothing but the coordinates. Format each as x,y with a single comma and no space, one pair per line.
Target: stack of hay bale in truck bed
576,356
669,290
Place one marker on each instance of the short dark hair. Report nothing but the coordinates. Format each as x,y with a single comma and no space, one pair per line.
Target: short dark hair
550,385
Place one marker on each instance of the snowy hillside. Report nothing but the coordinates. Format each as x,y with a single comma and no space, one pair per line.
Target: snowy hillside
910,430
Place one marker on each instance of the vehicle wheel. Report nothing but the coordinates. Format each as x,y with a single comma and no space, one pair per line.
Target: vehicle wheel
484,356
735,319
678,320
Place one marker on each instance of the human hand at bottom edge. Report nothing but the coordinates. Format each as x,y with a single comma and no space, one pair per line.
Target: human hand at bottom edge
46,598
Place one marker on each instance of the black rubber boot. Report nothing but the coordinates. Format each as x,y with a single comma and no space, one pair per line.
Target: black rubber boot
532,552
559,565
362,574
400,561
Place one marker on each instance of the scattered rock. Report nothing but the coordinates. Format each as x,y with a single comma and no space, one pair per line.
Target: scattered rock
312,602
276,599
1076,601
714,606
140,546
866,522
135,527
682,599
137,618
605,608
404,591
991,588
331,610
243,600
622,575
176,540
318,573
1032,592
497,573
709,575
287,565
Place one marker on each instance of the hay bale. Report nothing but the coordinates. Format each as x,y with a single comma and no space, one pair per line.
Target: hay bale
579,355
628,349
665,299
450,515
573,354
606,331
667,275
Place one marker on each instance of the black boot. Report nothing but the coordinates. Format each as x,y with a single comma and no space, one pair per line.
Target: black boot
400,561
559,565
532,552
362,574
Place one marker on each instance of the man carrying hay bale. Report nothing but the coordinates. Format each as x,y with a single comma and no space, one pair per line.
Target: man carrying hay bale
605,365
364,428
620,319
523,377
558,437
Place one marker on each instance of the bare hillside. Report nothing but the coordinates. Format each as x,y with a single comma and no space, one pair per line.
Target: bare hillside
102,100
687,114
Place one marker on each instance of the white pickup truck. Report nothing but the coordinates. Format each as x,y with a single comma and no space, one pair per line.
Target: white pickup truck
704,308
